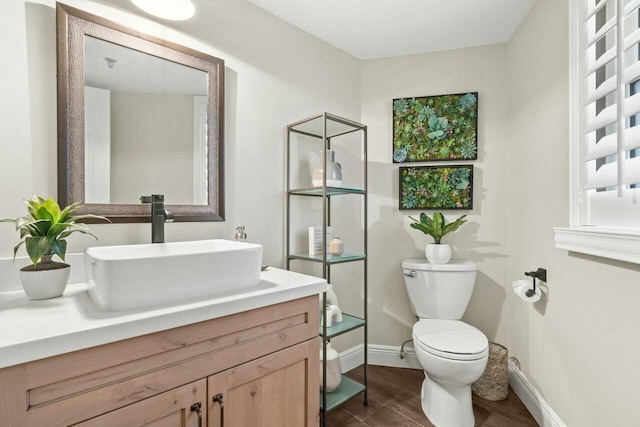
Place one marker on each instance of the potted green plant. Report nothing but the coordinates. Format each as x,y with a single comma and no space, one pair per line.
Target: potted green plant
43,232
436,227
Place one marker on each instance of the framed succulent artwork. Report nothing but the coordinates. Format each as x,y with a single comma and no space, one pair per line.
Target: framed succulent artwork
435,128
436,187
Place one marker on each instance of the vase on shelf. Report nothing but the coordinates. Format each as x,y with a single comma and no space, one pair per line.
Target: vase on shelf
334,171
334,372
336,247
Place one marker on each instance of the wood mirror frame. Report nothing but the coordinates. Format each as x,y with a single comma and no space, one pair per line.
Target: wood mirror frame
72,26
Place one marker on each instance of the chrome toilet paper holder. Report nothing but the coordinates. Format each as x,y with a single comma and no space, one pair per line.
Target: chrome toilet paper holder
540,274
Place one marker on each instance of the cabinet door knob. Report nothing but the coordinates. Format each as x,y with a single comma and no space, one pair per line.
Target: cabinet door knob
196,408
218,399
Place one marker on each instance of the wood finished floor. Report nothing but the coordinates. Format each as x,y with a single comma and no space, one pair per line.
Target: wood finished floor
394,401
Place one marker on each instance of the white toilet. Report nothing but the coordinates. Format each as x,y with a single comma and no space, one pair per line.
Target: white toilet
452,353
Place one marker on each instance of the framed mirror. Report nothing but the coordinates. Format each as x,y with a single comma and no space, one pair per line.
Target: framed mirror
137,116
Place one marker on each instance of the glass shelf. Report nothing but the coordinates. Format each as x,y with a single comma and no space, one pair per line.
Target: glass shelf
331,191
348,323
331,259
347,390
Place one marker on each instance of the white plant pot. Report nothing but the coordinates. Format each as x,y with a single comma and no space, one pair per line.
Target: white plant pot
45,284
438,254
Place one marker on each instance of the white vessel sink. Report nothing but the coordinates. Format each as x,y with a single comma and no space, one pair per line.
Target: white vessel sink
138,276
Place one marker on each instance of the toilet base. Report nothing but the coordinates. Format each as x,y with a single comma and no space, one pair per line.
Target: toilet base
447,405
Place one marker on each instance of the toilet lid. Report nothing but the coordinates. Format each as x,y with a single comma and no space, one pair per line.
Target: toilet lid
451,339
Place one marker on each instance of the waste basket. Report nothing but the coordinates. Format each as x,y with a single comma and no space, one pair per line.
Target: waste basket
494,382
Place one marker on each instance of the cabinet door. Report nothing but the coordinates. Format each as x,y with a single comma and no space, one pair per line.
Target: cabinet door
278,390
169,409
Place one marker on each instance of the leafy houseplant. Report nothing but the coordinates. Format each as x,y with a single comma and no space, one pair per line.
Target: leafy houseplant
43,232
436,227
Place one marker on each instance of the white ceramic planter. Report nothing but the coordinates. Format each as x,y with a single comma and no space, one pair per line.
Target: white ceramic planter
438,254
334,373
45,284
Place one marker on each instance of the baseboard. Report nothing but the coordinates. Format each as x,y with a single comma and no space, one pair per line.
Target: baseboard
351,358
534,402
386,355
379,355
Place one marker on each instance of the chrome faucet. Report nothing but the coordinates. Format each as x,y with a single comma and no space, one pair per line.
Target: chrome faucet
159,215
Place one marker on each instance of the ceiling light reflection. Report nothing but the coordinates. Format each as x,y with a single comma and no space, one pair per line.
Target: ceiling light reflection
175,10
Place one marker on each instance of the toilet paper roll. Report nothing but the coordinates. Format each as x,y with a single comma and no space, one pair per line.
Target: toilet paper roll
520,287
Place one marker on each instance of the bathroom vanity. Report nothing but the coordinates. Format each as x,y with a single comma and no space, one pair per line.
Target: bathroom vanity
238,360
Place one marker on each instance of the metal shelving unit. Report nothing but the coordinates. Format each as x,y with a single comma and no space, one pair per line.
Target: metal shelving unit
327,128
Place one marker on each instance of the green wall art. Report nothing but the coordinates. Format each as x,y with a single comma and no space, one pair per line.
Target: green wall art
436,187
434,128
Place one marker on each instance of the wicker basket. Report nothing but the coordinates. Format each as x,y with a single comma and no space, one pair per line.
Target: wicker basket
494,383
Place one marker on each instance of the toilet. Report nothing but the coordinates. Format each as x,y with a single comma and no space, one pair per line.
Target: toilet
452,353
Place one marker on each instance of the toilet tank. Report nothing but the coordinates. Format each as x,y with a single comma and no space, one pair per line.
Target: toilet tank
439,291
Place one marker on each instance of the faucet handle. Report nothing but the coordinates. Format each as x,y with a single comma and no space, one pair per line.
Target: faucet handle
145,199
168,216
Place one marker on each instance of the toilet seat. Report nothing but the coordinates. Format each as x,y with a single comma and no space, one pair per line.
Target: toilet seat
450,339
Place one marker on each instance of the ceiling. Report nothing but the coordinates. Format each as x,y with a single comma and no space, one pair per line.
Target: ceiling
120,69
370,29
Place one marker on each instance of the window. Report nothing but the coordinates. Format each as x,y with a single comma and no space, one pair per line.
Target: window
606,129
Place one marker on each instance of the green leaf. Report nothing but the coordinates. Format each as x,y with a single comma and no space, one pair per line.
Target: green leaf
52,208
462,184
68,211
438,221
80,228
424,218
15,249
86,216
59,247
454,225
26,222
36,247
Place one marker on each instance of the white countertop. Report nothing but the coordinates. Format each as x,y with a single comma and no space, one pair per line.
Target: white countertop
32,330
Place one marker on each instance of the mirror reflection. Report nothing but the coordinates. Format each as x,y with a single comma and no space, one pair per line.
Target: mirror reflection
145,126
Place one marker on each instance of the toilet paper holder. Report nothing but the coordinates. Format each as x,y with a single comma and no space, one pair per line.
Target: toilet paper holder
540,274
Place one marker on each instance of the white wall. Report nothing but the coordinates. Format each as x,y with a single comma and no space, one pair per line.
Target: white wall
15,143
579,347
151,147
483,238
275,75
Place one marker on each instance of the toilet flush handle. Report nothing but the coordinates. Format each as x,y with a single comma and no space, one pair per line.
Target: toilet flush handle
412,273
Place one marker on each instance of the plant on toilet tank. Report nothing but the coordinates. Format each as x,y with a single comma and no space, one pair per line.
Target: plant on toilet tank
436,227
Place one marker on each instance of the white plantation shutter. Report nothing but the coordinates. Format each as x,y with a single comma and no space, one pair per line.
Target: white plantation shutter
609,74
605,130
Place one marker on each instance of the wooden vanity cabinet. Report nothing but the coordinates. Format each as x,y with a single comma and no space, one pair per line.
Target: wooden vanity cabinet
260,365
268,391
173,408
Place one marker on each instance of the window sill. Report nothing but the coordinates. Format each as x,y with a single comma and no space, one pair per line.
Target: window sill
622,244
